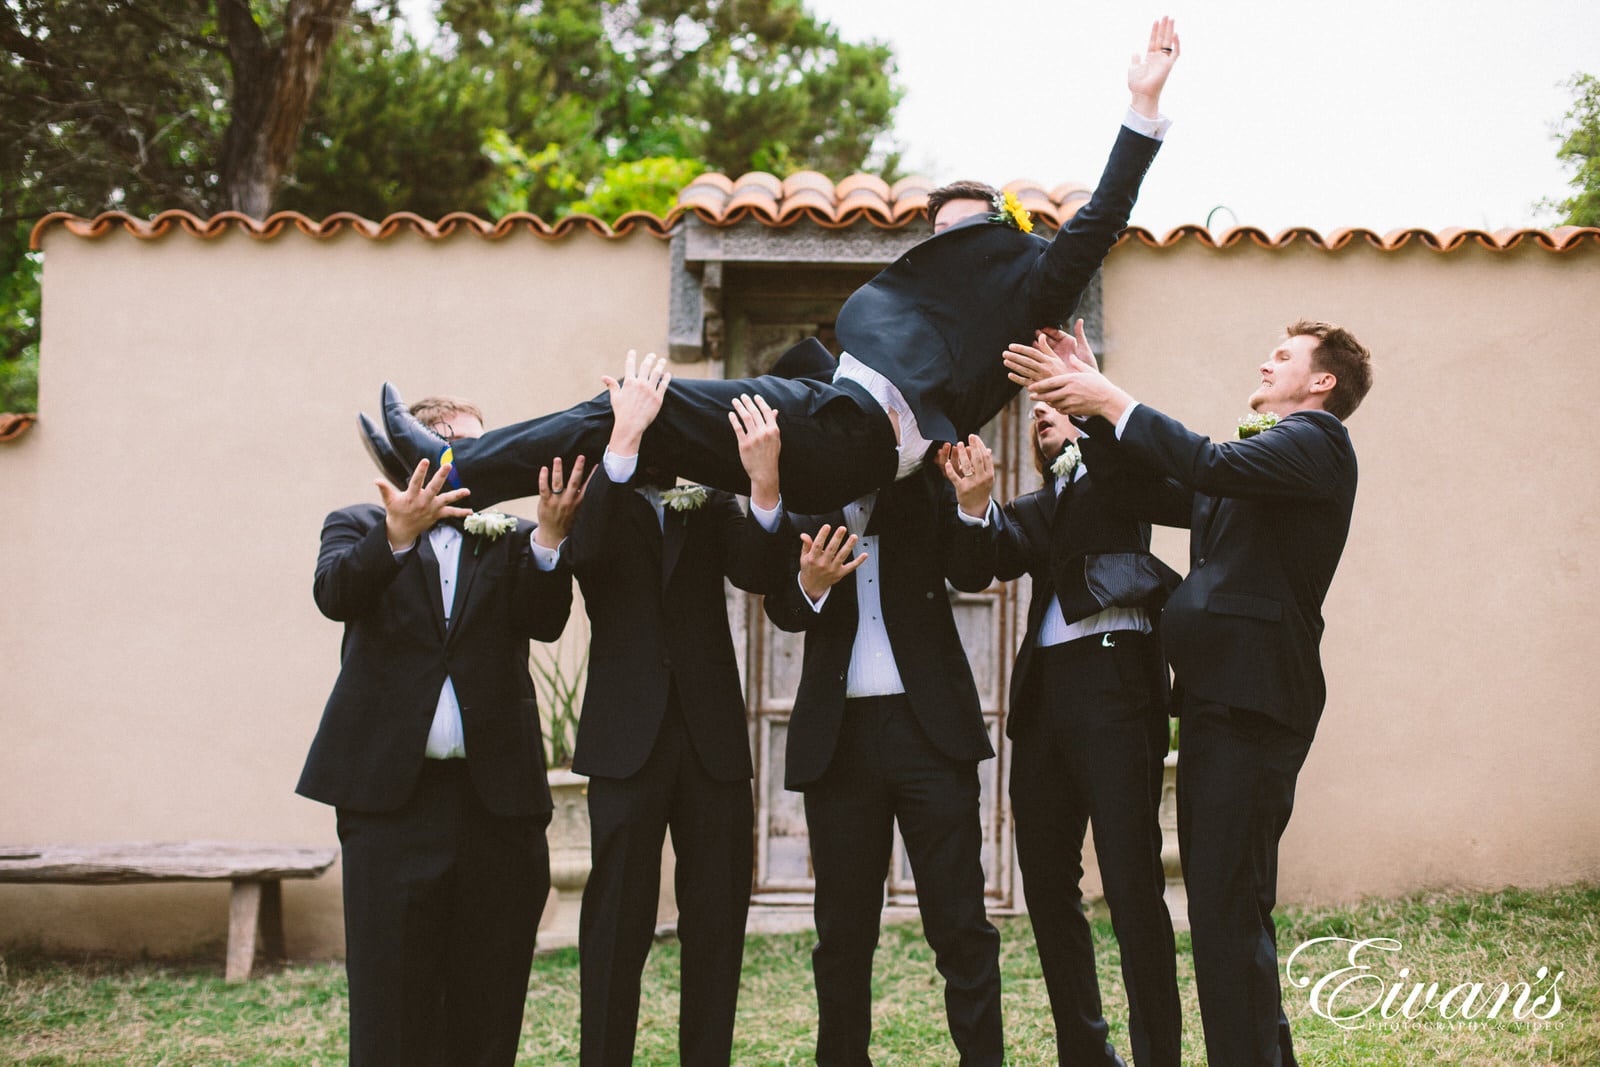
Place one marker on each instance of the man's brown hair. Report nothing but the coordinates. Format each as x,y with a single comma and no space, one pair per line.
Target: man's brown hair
965,190
1338,353
432,410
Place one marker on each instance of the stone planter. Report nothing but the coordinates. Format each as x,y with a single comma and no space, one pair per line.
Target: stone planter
569,858
1177,896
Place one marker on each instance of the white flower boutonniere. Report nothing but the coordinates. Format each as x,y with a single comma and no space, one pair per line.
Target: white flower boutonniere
1067,462
488,524
684,497
1259,422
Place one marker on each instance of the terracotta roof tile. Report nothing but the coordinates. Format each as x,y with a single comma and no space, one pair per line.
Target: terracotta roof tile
14,426
719,200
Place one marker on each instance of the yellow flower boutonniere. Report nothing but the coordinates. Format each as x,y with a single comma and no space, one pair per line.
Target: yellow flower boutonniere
1009,210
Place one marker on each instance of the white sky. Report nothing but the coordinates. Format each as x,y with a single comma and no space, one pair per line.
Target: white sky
1321,113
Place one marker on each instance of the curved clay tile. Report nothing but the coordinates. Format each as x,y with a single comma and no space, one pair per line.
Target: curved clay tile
809,180
813,201
862,181
911,185
719,201
759,179
714,179
14,426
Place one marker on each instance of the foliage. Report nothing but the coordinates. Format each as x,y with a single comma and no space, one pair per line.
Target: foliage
560,701
1580,150
549,106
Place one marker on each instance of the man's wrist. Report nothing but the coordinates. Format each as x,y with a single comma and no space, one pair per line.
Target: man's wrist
764,495
1147,105
549,537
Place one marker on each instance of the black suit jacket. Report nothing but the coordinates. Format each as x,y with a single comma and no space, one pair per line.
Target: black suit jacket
659,616
397,652
1268,519
921,544
935,321
1086,546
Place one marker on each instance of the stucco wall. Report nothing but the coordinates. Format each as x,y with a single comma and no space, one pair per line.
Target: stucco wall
164,665
1459,746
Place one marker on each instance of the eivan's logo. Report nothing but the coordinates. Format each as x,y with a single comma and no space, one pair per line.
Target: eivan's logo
1353,995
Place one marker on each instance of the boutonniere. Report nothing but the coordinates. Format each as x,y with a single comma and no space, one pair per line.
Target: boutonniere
684,497
1009,210
1259,422
488,524
1067,462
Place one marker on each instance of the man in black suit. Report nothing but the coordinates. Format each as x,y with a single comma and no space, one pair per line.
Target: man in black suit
1268,518
1088,722
920,341
663,737
429,749
887,728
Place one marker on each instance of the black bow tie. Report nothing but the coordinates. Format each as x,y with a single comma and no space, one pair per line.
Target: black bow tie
455,523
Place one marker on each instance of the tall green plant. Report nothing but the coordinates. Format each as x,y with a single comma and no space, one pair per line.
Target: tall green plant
560,701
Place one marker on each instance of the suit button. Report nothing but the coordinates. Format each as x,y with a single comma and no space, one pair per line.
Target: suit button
1201,562
929,594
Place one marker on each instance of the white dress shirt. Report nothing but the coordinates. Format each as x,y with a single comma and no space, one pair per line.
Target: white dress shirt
446,738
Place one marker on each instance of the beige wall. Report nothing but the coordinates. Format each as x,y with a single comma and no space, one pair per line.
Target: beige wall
1460,744
164,666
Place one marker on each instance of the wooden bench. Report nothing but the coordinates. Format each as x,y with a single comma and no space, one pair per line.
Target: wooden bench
256,871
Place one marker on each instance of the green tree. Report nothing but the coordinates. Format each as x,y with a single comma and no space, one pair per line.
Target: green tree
549,106
1580,149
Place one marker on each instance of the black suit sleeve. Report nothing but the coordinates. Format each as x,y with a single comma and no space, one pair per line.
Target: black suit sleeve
542,600
968,549
753,559
1297,459
786,604
1064,271
595,536
1015,554
354,564
1133,487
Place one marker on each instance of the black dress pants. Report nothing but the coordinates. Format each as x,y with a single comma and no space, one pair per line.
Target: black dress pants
1091,751
711,824
441,903
838,443
1236,779
886,770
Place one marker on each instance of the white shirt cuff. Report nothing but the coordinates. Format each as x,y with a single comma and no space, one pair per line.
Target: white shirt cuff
620,469
816,605
1122,423
767,517
982,520
545,558
1156,127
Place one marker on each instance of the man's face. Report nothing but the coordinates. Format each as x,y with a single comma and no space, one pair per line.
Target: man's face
1290,381
1056,431
955,210
458,425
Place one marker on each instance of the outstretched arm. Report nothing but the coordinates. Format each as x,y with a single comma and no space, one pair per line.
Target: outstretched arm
755,548
1057,282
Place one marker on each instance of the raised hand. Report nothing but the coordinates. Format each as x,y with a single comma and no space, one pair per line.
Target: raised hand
1083,390
409,512
825,559
558,503
635,400
755,425
970,468
1147,73
1048,356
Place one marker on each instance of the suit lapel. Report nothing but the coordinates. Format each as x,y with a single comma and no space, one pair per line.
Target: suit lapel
1205,510
466,570
430,577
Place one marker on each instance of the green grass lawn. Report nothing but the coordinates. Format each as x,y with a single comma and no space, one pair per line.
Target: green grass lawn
77,1011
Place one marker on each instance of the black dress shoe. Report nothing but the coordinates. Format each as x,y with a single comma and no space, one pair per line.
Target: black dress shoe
383,453
410,441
